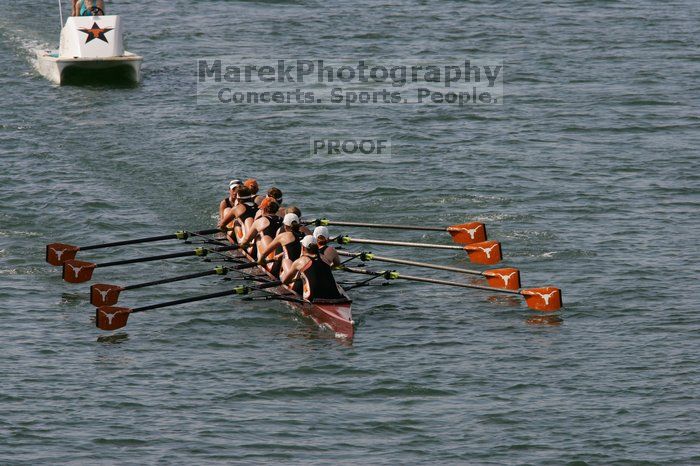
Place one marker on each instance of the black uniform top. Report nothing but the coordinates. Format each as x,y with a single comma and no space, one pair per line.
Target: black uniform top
318,280
275,222
293,250
250,209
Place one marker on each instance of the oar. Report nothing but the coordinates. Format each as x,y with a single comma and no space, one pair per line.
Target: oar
58,253
546,299
507,278
75,271
104,294
463,233
485,252
114,317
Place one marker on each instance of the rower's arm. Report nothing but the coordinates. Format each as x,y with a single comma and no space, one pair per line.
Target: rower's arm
274,244
252,232
222,207
289,275
335,258
228,218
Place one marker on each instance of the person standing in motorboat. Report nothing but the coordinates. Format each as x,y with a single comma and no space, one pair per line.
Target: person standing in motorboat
88,8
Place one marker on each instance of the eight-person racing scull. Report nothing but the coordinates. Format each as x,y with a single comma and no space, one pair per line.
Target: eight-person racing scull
286,262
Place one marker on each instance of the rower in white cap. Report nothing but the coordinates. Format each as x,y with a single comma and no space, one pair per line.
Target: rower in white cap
241,216
317,281
326,251
289,239
230,201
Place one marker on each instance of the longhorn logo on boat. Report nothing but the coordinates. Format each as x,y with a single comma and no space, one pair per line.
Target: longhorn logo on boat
95,32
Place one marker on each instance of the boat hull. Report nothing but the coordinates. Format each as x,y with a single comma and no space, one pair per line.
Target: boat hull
335,316
64,70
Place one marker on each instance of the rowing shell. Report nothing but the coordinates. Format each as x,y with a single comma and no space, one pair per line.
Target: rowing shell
334,315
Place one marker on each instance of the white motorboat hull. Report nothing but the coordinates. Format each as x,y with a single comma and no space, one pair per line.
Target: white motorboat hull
91,48
61,69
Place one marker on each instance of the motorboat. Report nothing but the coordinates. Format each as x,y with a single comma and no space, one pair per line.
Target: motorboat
91,48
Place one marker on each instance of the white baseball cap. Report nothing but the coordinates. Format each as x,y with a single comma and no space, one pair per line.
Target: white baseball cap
321,231
308,240
233,183
289,219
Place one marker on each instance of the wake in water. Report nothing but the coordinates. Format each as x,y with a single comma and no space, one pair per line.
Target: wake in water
21,41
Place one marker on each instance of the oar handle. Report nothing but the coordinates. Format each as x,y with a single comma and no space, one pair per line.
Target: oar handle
326,222
150,239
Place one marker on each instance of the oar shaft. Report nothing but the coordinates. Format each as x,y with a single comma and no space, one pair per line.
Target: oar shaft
203,297
184,300
342,240
433,280
173,255
179,278
379,225
374,257
148,239
170,280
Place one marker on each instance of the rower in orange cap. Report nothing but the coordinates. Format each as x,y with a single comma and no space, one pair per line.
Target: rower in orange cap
264,229
273,193
252,184
289,239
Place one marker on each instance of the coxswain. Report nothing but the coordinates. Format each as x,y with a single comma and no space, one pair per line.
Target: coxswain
316,277
289,239
230,201
325,250
264,229
242,215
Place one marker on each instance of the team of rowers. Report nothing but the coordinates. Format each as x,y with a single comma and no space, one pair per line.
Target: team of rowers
274,235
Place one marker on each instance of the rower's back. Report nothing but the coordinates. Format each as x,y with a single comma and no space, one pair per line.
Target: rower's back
318,280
